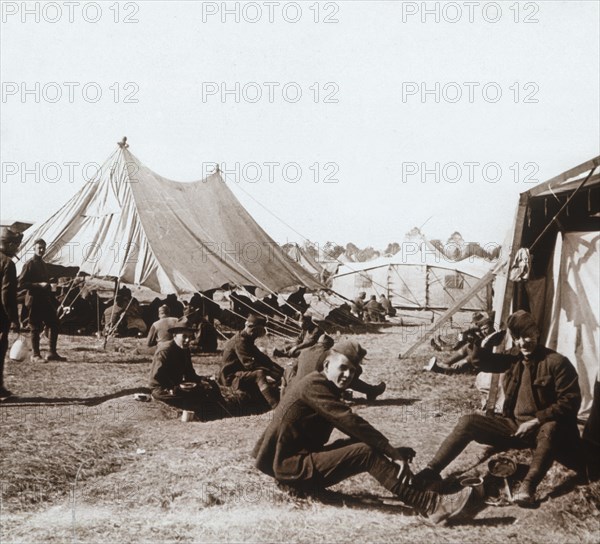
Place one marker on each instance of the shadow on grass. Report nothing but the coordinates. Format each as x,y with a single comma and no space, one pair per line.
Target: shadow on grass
393,505
362,502
570,484
485,522
89,401
384,402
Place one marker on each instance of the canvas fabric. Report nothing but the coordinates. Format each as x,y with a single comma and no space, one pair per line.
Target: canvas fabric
131,223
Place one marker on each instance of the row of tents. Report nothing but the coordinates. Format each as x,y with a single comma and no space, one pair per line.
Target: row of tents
418,277
132,224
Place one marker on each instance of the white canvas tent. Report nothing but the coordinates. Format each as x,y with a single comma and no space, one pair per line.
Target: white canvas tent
423,279
130,223
301,257
559,221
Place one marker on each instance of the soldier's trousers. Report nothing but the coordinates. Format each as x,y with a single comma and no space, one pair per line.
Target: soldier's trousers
179,399
255,384
345,458
3,351
498,431
40,315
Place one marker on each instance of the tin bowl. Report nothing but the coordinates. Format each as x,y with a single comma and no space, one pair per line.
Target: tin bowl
502,467
187,386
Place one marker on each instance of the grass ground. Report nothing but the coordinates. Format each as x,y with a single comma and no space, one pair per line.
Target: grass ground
126,471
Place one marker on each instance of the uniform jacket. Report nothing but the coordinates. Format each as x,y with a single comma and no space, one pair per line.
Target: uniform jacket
310,359
359,303
35,271
303,422
241,355
171,365
159,331
374,306
8,278
308,338
386,304
554,378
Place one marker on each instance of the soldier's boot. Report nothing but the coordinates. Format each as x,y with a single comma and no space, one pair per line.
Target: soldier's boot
36,357
375,391
54,356
270,396
427,479
434,507
371,391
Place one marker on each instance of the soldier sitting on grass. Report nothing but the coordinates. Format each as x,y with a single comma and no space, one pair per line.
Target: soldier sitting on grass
313,358
173,379
159,331
246,369
309,336
292,449
542,398
483,335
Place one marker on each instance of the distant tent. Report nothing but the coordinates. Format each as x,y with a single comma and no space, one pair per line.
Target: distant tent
559,221
130,223
345,258
298,255
423,279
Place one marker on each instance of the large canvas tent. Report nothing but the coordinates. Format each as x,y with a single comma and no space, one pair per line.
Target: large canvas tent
423,279
559,221
130,223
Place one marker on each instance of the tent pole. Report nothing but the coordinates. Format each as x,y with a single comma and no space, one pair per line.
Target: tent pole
509,289
483,282
295,329
244,318
116,325
563,207
112,313
276,310
97,315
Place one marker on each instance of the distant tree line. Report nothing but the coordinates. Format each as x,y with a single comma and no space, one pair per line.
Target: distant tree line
455,248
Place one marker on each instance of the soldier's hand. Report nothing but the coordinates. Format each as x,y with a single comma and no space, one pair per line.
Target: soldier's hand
527,427
15,326
405,454
404,475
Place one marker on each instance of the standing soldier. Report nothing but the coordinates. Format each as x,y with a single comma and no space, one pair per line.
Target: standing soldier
9,243
40,302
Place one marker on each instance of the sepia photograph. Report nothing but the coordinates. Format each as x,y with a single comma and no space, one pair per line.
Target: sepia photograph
300,271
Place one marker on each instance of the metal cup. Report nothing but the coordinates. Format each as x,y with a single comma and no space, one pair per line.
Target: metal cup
476,484
187,416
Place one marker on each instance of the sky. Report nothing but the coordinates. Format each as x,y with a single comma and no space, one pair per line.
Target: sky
348,121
